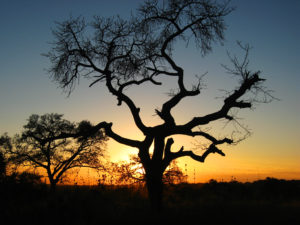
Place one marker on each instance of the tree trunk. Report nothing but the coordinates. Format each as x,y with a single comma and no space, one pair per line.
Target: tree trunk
155,190
52,186
154,173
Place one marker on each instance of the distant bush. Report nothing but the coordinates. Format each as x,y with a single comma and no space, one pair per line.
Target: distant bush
27,178
19,182
2,167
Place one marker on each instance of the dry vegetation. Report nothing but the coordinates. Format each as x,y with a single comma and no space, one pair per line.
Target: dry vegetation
269,201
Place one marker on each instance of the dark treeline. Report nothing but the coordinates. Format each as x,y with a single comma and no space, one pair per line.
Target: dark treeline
270,201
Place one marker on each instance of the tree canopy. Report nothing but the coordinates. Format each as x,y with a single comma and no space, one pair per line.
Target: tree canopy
42,145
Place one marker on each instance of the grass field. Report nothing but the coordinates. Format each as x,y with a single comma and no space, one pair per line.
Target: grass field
269,201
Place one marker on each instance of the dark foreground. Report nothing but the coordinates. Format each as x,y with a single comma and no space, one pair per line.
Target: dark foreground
268,201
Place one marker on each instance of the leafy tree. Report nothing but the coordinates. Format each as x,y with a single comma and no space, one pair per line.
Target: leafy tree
125,53
42,144
174,174
133,172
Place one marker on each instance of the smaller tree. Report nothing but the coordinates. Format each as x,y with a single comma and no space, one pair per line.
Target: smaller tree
174,174
133,172
43,144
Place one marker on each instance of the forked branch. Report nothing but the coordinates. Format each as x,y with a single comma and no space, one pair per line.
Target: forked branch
200,158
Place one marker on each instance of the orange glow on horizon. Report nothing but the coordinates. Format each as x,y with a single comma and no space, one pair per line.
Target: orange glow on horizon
92,178
252,159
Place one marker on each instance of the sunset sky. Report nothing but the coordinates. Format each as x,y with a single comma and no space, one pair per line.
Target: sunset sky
271,27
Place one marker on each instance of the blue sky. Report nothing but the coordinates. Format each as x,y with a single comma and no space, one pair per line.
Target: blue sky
272,27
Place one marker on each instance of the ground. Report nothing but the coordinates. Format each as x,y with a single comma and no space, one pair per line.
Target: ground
268,201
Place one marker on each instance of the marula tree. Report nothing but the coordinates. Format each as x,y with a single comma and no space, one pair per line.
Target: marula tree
124,53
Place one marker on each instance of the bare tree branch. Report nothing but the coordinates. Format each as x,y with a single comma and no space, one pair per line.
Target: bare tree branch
200,158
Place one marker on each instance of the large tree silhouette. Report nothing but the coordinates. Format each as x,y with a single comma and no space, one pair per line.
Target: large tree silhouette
43,144
125,53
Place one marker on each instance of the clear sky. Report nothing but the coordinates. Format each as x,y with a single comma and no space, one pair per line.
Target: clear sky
272,27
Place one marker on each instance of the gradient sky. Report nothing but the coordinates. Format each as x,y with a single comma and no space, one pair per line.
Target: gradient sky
272,27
